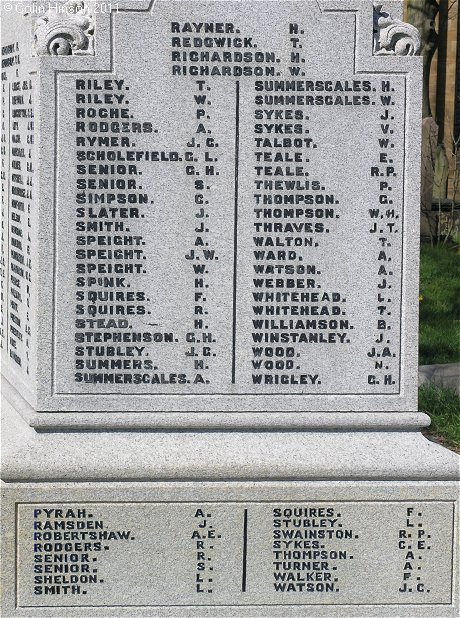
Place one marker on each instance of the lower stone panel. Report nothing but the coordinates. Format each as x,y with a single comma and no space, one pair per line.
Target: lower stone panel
230,549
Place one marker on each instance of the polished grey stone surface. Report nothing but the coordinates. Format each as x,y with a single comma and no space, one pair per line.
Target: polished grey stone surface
164,518
211,549
210,283
224,214
368,451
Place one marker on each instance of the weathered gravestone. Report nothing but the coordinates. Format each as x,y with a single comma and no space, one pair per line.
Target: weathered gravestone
210,260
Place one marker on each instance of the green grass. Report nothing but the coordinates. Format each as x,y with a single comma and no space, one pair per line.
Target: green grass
439,305
443,406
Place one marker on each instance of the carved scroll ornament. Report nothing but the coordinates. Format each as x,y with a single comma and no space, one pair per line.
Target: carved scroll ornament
393,37
68,31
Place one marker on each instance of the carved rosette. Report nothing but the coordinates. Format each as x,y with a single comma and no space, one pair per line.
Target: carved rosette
68,31
393,37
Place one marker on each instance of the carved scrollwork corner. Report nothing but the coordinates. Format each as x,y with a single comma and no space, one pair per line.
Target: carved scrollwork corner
68,31
393,37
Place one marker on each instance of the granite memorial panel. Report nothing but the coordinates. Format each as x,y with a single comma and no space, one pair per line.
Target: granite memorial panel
210,314
226,204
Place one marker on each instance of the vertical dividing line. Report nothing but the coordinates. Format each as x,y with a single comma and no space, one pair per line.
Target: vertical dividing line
235,227
403,292
245,550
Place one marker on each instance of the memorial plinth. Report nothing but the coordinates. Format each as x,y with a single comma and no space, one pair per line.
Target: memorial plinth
210,314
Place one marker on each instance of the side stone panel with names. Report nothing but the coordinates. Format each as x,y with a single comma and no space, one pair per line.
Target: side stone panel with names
19,209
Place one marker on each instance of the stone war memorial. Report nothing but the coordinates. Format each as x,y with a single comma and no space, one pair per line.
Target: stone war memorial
210,314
